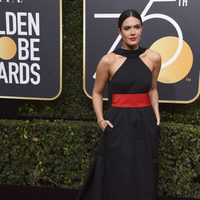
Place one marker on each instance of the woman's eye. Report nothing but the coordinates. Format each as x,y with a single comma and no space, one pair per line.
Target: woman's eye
128,28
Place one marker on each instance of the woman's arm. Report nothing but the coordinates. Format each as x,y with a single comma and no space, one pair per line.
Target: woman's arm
102,76
153,93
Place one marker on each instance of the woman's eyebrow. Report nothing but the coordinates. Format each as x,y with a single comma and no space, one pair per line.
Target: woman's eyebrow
132,26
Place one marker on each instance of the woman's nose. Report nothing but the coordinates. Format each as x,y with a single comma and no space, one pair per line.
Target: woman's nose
132,31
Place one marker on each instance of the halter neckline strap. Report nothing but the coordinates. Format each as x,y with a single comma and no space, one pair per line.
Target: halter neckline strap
130,53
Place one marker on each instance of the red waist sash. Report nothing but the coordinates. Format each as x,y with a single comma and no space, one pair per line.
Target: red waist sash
131,100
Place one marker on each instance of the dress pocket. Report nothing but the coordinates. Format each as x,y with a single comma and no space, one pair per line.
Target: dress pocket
108,131
105,130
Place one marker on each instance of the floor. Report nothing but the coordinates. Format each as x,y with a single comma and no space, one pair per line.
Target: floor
9,192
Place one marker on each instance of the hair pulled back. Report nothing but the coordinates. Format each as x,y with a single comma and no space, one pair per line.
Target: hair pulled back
128,13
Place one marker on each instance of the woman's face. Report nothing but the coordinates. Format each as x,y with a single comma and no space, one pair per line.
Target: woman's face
131,32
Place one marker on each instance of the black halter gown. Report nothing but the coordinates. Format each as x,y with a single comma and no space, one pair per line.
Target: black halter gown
126,162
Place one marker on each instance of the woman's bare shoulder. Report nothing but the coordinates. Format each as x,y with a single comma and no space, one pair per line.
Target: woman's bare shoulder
153,56
108,59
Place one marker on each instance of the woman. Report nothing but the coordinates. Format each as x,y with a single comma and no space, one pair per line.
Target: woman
126,164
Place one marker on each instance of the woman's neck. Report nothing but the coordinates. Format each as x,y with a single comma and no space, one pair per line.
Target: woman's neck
130,47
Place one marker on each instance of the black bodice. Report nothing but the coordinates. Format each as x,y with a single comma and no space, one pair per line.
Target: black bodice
133,76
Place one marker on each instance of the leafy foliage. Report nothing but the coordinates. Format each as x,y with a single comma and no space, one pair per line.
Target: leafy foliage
58,154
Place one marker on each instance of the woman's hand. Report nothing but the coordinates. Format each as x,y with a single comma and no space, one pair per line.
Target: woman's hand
158,121
104,123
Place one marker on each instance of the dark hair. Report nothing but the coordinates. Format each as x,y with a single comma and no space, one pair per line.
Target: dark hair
128,13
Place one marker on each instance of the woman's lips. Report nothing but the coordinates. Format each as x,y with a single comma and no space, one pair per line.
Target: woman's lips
132,38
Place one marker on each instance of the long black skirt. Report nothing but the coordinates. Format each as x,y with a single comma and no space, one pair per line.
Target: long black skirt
126,161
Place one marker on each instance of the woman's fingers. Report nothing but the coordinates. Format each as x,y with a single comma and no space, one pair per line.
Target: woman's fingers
108,122
104,123
158,122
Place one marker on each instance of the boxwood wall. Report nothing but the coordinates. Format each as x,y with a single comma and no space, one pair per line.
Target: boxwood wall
57,154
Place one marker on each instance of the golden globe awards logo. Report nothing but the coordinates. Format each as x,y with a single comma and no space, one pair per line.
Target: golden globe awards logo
26,27
168,29
30,49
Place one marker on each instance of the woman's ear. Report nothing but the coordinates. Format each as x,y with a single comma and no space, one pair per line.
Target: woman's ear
119,31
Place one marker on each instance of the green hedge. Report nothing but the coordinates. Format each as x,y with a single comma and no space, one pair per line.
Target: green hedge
57,154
